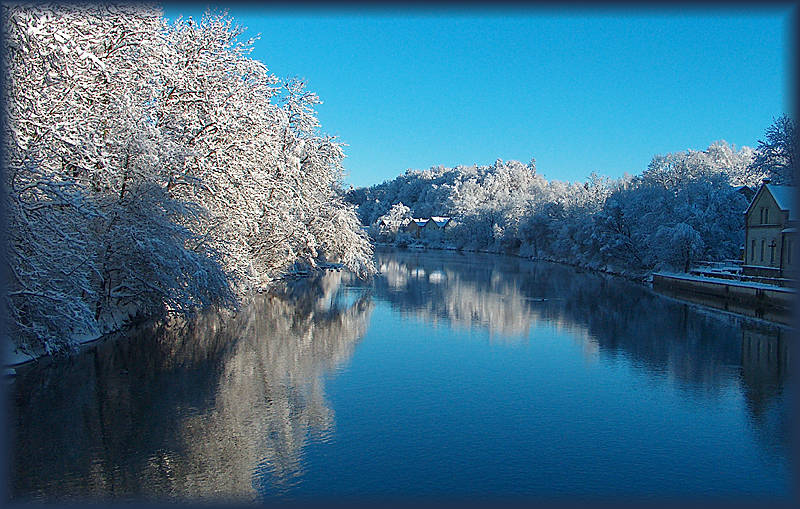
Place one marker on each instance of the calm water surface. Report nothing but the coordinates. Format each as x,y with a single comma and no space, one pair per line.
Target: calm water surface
448,375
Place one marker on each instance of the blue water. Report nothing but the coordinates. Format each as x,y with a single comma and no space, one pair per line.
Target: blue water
448,375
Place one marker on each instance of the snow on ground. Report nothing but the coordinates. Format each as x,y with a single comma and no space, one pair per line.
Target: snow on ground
12,357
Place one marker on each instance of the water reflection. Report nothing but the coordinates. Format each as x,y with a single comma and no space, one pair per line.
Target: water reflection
434,288
703,351
236,408
215,408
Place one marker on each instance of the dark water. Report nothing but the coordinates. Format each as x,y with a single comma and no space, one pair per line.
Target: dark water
448,375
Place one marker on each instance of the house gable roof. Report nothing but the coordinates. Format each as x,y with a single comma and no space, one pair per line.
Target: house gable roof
783,196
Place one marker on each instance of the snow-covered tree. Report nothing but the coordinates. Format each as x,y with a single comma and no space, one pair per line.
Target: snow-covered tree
155,167
601,223
738,164
388,225
81,152
777,156
679,245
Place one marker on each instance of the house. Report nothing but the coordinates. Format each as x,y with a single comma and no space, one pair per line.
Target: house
438,223
418,226
415,226
745,191
771,232
434,228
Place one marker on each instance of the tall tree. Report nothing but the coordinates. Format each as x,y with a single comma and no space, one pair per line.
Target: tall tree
154,167
777,156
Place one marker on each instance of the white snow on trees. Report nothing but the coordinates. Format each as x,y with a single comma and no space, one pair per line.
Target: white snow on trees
682,208
155,167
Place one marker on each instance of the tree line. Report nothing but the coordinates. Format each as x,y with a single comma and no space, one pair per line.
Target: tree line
154,167
683,207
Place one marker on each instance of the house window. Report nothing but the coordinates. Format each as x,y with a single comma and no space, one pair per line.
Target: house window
764,215
761,215
789,252
752,251
762,250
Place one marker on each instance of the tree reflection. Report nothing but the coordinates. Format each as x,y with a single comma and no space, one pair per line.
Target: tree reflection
463,296
228,404
223,405
704,350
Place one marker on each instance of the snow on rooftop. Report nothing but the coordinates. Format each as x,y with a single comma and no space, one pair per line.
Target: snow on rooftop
784,196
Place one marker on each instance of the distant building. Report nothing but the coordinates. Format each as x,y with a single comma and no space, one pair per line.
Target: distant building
771,232
437,223
745,191
415,226
390,226
418,226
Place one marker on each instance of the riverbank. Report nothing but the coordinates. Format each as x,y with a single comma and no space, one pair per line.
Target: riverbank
627,274
759,300
746,300
13,358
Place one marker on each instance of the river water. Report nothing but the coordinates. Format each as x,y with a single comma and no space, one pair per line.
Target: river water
448,375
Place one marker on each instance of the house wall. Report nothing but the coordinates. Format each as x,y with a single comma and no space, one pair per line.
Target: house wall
429,229
433,231
413,228
763,225
789,254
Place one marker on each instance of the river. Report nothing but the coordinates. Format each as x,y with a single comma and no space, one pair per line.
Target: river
448,375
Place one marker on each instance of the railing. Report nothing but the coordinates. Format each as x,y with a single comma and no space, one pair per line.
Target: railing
739,276
720,264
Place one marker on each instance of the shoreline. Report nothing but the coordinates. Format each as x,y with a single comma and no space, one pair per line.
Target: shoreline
635,277
642,279
13,359
19,359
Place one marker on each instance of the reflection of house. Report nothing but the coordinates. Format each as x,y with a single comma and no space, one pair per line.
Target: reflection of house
771,232
765,365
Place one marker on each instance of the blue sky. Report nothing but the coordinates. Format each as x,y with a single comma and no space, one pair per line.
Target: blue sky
578,90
